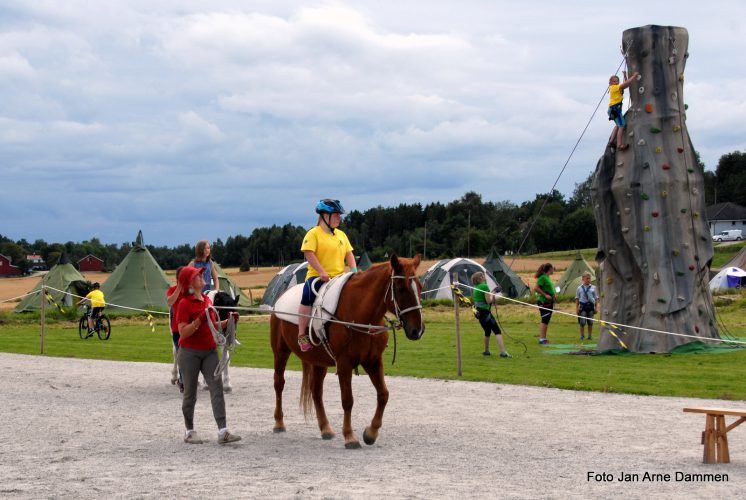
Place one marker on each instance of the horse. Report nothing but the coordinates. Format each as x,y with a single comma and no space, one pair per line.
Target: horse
224,304
365,299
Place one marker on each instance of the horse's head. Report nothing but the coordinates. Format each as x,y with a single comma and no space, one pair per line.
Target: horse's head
404,300
224,304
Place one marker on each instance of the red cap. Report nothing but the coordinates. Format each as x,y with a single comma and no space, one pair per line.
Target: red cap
186,276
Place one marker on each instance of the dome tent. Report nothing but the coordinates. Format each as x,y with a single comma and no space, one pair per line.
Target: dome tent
285,278
364,262
509,281
573,276
436,282
63,276
138,281
729,277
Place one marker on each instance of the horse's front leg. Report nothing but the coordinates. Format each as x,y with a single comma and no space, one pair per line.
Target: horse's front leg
344,373
227,387
317,393
375,372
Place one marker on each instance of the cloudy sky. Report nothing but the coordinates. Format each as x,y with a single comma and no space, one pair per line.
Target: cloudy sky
195,119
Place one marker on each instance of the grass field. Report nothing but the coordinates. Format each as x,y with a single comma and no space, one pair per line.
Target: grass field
715,374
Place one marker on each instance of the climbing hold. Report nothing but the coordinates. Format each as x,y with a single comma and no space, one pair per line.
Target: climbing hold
674,51
686,245
612,252
666,166
655,277
664,194
655,130
675,253
683,210
641,90
672,60
680,273
641,142
681,77
620,164
655,214
695,191
619,178
628,194
662,300
691,267
642,309
676,128
625,229
690,170
680,150
644,196
647,229
696,257
646,165
627,210
648,107
695,215
609,280
674,95
639,77
686,106
696,329
659,150
631,133
681,299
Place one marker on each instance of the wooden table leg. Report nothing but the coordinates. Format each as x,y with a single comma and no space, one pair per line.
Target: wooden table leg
723,456
710,440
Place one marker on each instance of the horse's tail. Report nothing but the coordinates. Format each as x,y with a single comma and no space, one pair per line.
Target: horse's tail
306,392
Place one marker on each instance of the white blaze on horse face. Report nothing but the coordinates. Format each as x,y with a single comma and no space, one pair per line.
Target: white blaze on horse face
413,283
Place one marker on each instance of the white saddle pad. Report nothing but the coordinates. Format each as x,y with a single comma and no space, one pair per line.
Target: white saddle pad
325,305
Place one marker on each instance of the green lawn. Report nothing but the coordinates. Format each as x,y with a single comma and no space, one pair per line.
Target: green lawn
717,374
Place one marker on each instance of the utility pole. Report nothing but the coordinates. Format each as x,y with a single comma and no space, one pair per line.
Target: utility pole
424,248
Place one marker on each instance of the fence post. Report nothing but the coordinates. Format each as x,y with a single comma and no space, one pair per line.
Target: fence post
43,296
454,282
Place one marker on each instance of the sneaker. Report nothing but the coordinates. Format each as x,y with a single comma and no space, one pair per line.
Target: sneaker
582,337
543,341
590,338
623,147
486,353
227,437
505,355
304,343
191,437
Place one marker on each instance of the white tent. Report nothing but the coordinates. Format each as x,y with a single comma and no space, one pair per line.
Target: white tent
730,277
437,280
285,278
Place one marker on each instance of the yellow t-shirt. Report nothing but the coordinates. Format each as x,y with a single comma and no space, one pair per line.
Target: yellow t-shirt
97,298
330,249
615,95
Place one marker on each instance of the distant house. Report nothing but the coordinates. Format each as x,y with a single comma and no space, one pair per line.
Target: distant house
36,262
90,264
6,268
724,216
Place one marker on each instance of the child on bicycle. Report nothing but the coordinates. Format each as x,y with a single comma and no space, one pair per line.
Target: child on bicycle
97,304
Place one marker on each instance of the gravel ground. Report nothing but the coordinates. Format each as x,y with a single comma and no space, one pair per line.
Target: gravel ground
99,429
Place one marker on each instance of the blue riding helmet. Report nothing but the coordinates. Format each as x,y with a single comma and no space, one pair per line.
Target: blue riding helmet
328,206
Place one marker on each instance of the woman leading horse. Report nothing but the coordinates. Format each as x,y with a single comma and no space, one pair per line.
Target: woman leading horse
367,296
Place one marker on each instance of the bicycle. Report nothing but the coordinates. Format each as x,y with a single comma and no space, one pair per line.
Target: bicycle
101,325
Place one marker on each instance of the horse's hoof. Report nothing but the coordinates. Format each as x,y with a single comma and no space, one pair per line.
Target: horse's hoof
368,439
278,430
173,381
327,435
353,445
227,389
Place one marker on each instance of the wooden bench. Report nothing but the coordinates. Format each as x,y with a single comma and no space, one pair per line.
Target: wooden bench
715,435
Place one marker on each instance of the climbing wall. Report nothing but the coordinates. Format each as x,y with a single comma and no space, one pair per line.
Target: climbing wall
654,244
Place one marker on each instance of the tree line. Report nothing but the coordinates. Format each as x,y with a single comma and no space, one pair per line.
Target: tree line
466,227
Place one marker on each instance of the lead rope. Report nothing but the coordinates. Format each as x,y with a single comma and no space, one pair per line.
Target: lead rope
228,340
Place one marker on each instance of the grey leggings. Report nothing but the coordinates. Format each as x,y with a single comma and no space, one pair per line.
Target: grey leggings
191,363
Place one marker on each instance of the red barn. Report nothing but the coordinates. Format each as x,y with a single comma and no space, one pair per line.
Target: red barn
6,268
90,264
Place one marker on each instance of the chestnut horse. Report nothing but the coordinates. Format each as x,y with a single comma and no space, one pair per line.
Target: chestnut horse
393,287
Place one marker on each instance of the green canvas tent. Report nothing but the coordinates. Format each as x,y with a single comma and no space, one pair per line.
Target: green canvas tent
572,278
230,287
138,281
364,262
436,283
509,281
62,276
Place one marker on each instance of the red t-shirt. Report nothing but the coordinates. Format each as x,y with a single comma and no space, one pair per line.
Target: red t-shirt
172,312
191,308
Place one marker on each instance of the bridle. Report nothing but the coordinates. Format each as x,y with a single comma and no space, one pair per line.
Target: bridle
398,311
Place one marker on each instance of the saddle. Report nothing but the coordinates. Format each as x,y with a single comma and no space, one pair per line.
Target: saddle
324,306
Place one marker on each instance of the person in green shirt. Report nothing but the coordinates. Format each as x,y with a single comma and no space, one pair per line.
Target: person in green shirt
483,298
545,294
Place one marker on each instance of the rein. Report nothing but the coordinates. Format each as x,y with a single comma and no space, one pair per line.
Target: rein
227,340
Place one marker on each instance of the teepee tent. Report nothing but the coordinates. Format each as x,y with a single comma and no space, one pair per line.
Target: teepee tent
62,276
137,282
738,260
573,276
436,283
364,262
285,278
230,287
729,277
509,281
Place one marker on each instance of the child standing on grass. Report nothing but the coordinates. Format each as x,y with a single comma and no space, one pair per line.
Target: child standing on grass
482,298
545,293
586,305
